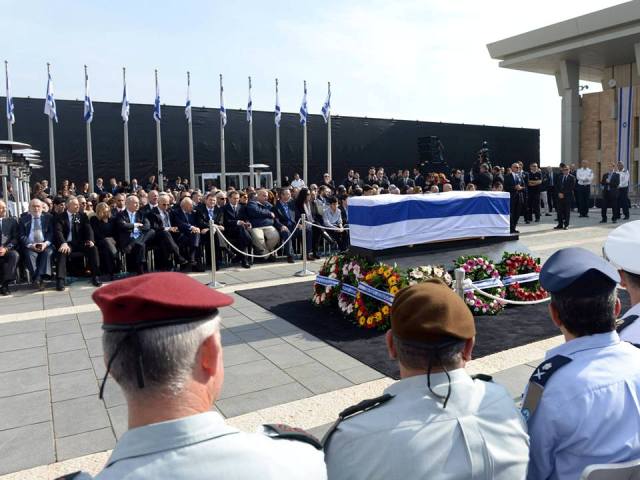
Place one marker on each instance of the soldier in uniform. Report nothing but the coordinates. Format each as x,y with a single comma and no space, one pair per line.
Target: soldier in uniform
162,346
437,421
621,249
583,401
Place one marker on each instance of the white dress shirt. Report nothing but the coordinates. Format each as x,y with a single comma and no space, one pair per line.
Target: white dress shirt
584,176
297,183
624,178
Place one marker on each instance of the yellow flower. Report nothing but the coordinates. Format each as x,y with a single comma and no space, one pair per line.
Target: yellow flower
387,274
394,290
378,316
368,277
393,281
380,270
385,310
369,321
361,321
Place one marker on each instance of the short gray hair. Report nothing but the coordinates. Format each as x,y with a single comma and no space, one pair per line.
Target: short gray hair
168,355
417,355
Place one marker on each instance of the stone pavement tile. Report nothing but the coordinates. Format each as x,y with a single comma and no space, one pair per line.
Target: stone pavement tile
57,302
113,395
259,337
28,326
229,338
250,402
285,355
94,345
119,419
85,443
239,353
79,415
62,328
100,369
26,447
318,378
90,317
237,322
535,363
361,374
333,358
61,318
73,385
21,341
25,358
26,409
65,343
303,341
19,308
23,381
92,330
252,377
514,379
278,326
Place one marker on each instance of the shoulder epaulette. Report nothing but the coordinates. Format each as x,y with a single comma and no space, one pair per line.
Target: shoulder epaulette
482,376
363,406
626,322
538,381
280,430
69,476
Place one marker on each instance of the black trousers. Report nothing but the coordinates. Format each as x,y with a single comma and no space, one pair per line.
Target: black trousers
108,255
610,200
533,206
90,253
165,247
516,203
8,266
583,193
623,202
564,210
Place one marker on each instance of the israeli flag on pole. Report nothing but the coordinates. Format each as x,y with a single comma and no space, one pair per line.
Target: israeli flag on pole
223,112
625,108
326,108
249,105
88,106
11,117
278,116
304,113
187,108
50,102
156,105
124,112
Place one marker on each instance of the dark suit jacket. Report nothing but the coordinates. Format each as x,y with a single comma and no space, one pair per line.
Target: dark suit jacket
202,215
510,184
124,227
9,233
62,228
567,186
184,221
231,218
613,185
289,220
102,230
260,215
483,181
24,228
419,181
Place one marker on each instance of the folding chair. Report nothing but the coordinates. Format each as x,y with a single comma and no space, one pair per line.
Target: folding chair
612,471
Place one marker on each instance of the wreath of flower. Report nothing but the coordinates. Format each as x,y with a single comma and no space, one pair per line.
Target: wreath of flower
324,295
423,273
517,263
481,268
372,313
353,271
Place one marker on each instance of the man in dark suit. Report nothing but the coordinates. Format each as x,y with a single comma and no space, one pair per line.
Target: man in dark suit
418,178
237,226
160,222
610,184
36,238
99,189
134,233
404,180
484,179
189,233
286,215
534,184
514,184
565,186
211,209
73,234
266,230
8,249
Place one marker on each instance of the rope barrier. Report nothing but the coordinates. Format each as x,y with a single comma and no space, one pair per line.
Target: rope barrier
317,225
264,255
510,302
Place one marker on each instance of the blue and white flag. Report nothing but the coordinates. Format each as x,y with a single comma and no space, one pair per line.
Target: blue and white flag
124,111
278,113
187,108
50,101
157,115
249,105
223,111
326,108
88,105
304,112
11,117
625,107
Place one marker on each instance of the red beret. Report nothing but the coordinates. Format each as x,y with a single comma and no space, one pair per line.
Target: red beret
156,299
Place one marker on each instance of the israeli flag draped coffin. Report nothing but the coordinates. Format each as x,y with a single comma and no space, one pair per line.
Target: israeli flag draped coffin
386,221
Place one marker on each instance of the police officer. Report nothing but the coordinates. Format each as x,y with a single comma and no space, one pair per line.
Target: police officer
621,249
437,421
582,400
162,346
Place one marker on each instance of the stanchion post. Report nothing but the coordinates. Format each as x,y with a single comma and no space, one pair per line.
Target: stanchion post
212,231
304,272
459,277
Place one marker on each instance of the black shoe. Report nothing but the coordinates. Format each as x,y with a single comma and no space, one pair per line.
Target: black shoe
181,261
537,220
527,222
558,227
245,264
271,258
614,221
604,220
96,282
547,214
4,290
513,231
566,227
60,285
290,259
626,217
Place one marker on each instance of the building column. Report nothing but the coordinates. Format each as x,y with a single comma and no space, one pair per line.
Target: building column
567,81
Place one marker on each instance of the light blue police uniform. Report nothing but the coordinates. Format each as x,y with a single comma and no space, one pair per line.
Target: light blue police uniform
589,411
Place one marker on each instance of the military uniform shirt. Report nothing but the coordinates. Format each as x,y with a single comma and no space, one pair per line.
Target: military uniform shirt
204,447
480,435
631,334
589,411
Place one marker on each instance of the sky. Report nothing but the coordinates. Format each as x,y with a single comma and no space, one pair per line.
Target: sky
405,59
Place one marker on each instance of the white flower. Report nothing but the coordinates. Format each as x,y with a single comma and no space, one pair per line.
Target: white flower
438,271
447,278
417,274
322,297
412,282
333,275
327,289
427,270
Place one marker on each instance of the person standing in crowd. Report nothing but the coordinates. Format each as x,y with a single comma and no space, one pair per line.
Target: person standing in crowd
437,421
544,194
623,192
457,180
297,182
534,186
404,181
36,238
610,184
134,232
328,182
552,195
514,184
564,188
621,249
8,249
496,172
483,179
237,226
418,179
593,372
304,204
99,188
584,175
104,233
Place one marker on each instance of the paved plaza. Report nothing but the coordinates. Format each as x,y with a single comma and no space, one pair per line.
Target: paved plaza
52,422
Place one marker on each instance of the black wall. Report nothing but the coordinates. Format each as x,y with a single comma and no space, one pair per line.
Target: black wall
357,142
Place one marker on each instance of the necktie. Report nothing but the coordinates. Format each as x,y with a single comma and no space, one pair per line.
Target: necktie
74,227
136,232
211,214
165,220
38,237
3,237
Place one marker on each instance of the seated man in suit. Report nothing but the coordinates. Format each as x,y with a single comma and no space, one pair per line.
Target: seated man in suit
286,214
211,209
264,224
8,254
134,232
237,226
36,238
160,220
188,234
73,234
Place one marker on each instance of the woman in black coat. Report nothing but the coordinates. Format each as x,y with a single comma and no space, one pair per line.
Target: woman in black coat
104,231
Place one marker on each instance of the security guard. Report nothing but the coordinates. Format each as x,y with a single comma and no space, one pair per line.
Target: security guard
583,400
437,421
162,346
621,249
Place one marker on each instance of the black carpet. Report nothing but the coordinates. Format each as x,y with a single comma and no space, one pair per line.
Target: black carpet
514,327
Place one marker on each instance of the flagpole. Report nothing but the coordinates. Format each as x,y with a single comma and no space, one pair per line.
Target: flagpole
329,135
192,175
52,151
159,145
223,163
89,147
252,180
9,124
278,172
127,168
304,146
